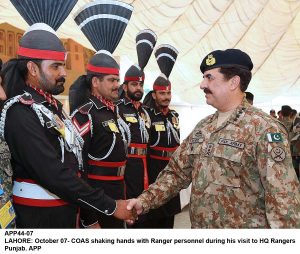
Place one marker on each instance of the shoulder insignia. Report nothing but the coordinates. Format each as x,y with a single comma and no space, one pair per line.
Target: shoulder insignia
278,154
274,137
85,109
174,113
82,128
26,99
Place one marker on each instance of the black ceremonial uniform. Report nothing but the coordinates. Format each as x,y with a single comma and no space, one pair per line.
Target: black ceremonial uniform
136,173
47,189
164,140
104,155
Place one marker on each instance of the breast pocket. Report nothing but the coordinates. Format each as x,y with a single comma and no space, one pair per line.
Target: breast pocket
227,161
226,152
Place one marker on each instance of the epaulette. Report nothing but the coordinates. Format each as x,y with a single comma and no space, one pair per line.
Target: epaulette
268,120
174,113
85,109
26,99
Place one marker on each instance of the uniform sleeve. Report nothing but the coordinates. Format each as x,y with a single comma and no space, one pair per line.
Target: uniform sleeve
31,148
278,178
176,176
83,126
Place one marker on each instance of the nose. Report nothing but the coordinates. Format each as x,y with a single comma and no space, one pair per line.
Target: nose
63,72
116,84
203,84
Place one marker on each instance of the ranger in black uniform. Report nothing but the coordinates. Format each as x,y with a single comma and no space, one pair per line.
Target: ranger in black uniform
134,114
91,98
45,147
164,134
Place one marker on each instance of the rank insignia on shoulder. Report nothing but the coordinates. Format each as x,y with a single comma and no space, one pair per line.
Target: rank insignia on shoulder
26,99
175,122
85,109
274,137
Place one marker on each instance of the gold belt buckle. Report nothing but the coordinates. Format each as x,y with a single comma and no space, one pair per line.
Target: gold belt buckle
141,151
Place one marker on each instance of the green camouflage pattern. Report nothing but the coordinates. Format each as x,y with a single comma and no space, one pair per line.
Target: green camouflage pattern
5,175
239,178
288,123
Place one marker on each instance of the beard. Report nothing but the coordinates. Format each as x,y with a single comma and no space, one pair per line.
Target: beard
137,96
48,87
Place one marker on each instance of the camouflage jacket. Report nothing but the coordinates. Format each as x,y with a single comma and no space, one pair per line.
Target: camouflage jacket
241,174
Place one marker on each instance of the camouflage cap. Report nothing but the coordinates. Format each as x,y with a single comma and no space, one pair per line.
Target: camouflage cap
226,58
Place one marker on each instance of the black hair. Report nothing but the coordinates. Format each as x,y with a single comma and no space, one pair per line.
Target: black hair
249,96
14,75
244,74
81,90
148,100
286,110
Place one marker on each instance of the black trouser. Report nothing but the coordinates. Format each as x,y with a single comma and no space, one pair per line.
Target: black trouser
114,189
45,217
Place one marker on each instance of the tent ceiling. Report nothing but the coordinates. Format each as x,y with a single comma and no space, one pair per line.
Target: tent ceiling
269,30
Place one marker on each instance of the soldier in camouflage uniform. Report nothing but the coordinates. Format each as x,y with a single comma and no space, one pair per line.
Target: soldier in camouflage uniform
286,112
295,143
5,179
238,159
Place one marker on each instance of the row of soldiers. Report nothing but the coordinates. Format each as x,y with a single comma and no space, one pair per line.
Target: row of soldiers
291,121
109,149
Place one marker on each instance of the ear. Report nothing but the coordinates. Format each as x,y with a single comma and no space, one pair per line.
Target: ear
95,82
235,82
32,68
153,95
125,87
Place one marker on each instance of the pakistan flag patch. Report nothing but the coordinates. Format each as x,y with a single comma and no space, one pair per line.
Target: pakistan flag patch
274,137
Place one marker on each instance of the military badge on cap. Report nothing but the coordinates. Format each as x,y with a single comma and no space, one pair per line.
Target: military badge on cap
210,60
278,154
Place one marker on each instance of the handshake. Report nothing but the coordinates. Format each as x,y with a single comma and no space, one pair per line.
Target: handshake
128,210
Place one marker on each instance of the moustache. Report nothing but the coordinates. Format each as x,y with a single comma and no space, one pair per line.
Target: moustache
61,80
207,91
